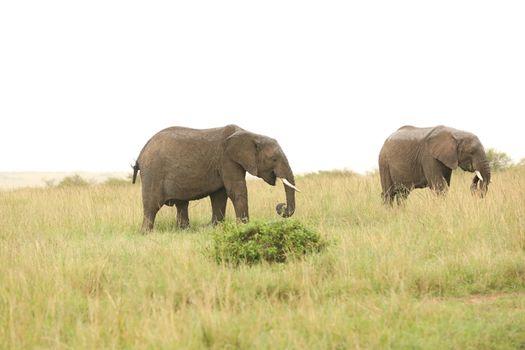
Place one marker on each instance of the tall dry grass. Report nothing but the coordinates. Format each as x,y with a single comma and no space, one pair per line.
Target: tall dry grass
433,273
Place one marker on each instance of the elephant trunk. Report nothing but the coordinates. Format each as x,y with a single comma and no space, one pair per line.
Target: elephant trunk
287,210
480,182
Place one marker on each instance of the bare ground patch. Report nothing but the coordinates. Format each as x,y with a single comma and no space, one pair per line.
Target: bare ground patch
477,299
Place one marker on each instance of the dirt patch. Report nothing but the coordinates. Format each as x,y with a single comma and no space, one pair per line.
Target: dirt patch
478,299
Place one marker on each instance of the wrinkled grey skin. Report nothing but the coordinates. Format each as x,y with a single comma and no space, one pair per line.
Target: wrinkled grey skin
179,164
425,157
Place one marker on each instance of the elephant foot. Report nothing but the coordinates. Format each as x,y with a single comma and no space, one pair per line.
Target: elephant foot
216,221
146,229
243,220
183,225
147,226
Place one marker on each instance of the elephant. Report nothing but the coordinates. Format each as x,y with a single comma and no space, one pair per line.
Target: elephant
180,164
415,157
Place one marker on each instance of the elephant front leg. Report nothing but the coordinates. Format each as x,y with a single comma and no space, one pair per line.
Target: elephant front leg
439,186
147,222
438,177
238,193
218,205
183,220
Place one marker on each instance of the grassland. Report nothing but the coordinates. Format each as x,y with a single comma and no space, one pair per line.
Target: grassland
436,273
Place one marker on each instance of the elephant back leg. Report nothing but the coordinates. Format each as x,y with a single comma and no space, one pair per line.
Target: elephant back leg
152,201
387,185
218,205
150,212
401,193
388,196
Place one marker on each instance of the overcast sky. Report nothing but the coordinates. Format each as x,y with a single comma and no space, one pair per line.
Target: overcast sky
84,84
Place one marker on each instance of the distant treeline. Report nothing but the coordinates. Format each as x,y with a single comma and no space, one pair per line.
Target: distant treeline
497,160
78,181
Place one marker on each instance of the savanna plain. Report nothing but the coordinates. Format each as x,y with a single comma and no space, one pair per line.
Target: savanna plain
434,273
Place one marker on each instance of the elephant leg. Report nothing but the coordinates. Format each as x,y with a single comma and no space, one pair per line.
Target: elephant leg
149,219
401,193
183,220
238,193
388,196
150,212
218,205
387,185
435,174
447,175
439,186
441,189
152,202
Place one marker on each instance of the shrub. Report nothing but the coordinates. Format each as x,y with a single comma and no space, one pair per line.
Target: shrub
269,241
74,180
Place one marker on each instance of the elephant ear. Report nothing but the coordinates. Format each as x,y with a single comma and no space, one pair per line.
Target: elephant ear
242,149
444,147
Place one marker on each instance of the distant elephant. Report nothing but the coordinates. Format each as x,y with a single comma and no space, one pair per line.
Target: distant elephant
425,157
179,164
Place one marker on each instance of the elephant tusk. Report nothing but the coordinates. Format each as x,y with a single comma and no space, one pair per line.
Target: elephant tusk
287,183
478,174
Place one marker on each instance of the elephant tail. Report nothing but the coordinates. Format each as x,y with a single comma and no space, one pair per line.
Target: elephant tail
135,171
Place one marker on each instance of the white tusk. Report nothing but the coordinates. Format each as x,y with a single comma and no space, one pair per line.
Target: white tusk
287,183
478,174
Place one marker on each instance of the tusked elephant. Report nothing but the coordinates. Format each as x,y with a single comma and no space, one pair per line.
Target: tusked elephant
180,164
424,157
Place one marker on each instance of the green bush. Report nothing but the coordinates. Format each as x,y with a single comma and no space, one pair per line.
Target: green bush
74,180
269,241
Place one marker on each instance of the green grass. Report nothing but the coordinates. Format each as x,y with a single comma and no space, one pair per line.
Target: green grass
436,273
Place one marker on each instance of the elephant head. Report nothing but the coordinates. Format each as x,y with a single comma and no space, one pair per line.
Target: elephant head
262,156
456,148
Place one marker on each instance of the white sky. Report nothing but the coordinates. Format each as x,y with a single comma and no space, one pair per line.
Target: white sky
84,84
